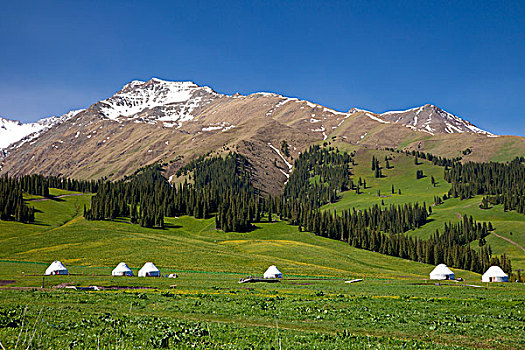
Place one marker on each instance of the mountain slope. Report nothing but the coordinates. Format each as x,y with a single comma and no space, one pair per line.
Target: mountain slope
12,131
154,121
174,122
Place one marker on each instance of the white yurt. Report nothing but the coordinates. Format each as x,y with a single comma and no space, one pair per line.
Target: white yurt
56,268
442,272
149,270
273,272
122,270
494,274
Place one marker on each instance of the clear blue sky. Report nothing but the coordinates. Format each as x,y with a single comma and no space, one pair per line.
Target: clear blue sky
466,57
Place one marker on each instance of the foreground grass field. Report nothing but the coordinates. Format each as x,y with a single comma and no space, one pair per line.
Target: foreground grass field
214,311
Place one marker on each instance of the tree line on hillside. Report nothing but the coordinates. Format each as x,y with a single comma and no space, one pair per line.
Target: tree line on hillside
500,183
12,205
436,160
379,229
39,185
319,175
220,187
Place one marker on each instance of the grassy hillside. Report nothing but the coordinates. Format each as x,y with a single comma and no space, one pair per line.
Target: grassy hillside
394,307
187,244
403,176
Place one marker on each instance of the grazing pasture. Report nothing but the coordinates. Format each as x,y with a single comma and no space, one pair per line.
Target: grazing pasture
214,311
395,306
402,175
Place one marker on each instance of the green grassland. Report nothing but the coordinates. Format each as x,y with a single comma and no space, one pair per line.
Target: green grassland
187,244
403,176
214,312
394,307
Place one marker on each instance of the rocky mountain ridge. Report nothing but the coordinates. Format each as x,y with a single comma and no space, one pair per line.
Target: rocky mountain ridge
432,119
174,103
174,122
12,131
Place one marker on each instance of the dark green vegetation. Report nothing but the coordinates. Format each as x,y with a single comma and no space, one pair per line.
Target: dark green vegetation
507,237
501,183
12,205
319,175
221,186
60,232
379,228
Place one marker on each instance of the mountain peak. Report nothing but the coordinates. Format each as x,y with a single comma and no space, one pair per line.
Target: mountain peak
432,119
174,100
141,84
13,130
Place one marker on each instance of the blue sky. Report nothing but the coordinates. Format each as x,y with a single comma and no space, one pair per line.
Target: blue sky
466,57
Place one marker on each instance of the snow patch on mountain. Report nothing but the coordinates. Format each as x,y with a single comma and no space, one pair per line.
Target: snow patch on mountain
355,110
285,99
12,131
373,117
400,112
280,155
178,100
431,119
219,126
333,111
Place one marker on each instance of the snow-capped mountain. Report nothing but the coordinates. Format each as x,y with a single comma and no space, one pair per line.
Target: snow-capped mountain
157,100
174,122
12,131
432,119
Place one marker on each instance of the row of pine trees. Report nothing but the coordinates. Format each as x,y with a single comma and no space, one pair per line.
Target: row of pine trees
500,183
219,186
12,205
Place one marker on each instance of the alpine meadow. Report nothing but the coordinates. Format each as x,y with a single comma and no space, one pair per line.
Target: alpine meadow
172,214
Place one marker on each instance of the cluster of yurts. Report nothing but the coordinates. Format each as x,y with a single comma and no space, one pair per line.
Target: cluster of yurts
493,274
440,272
148,270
